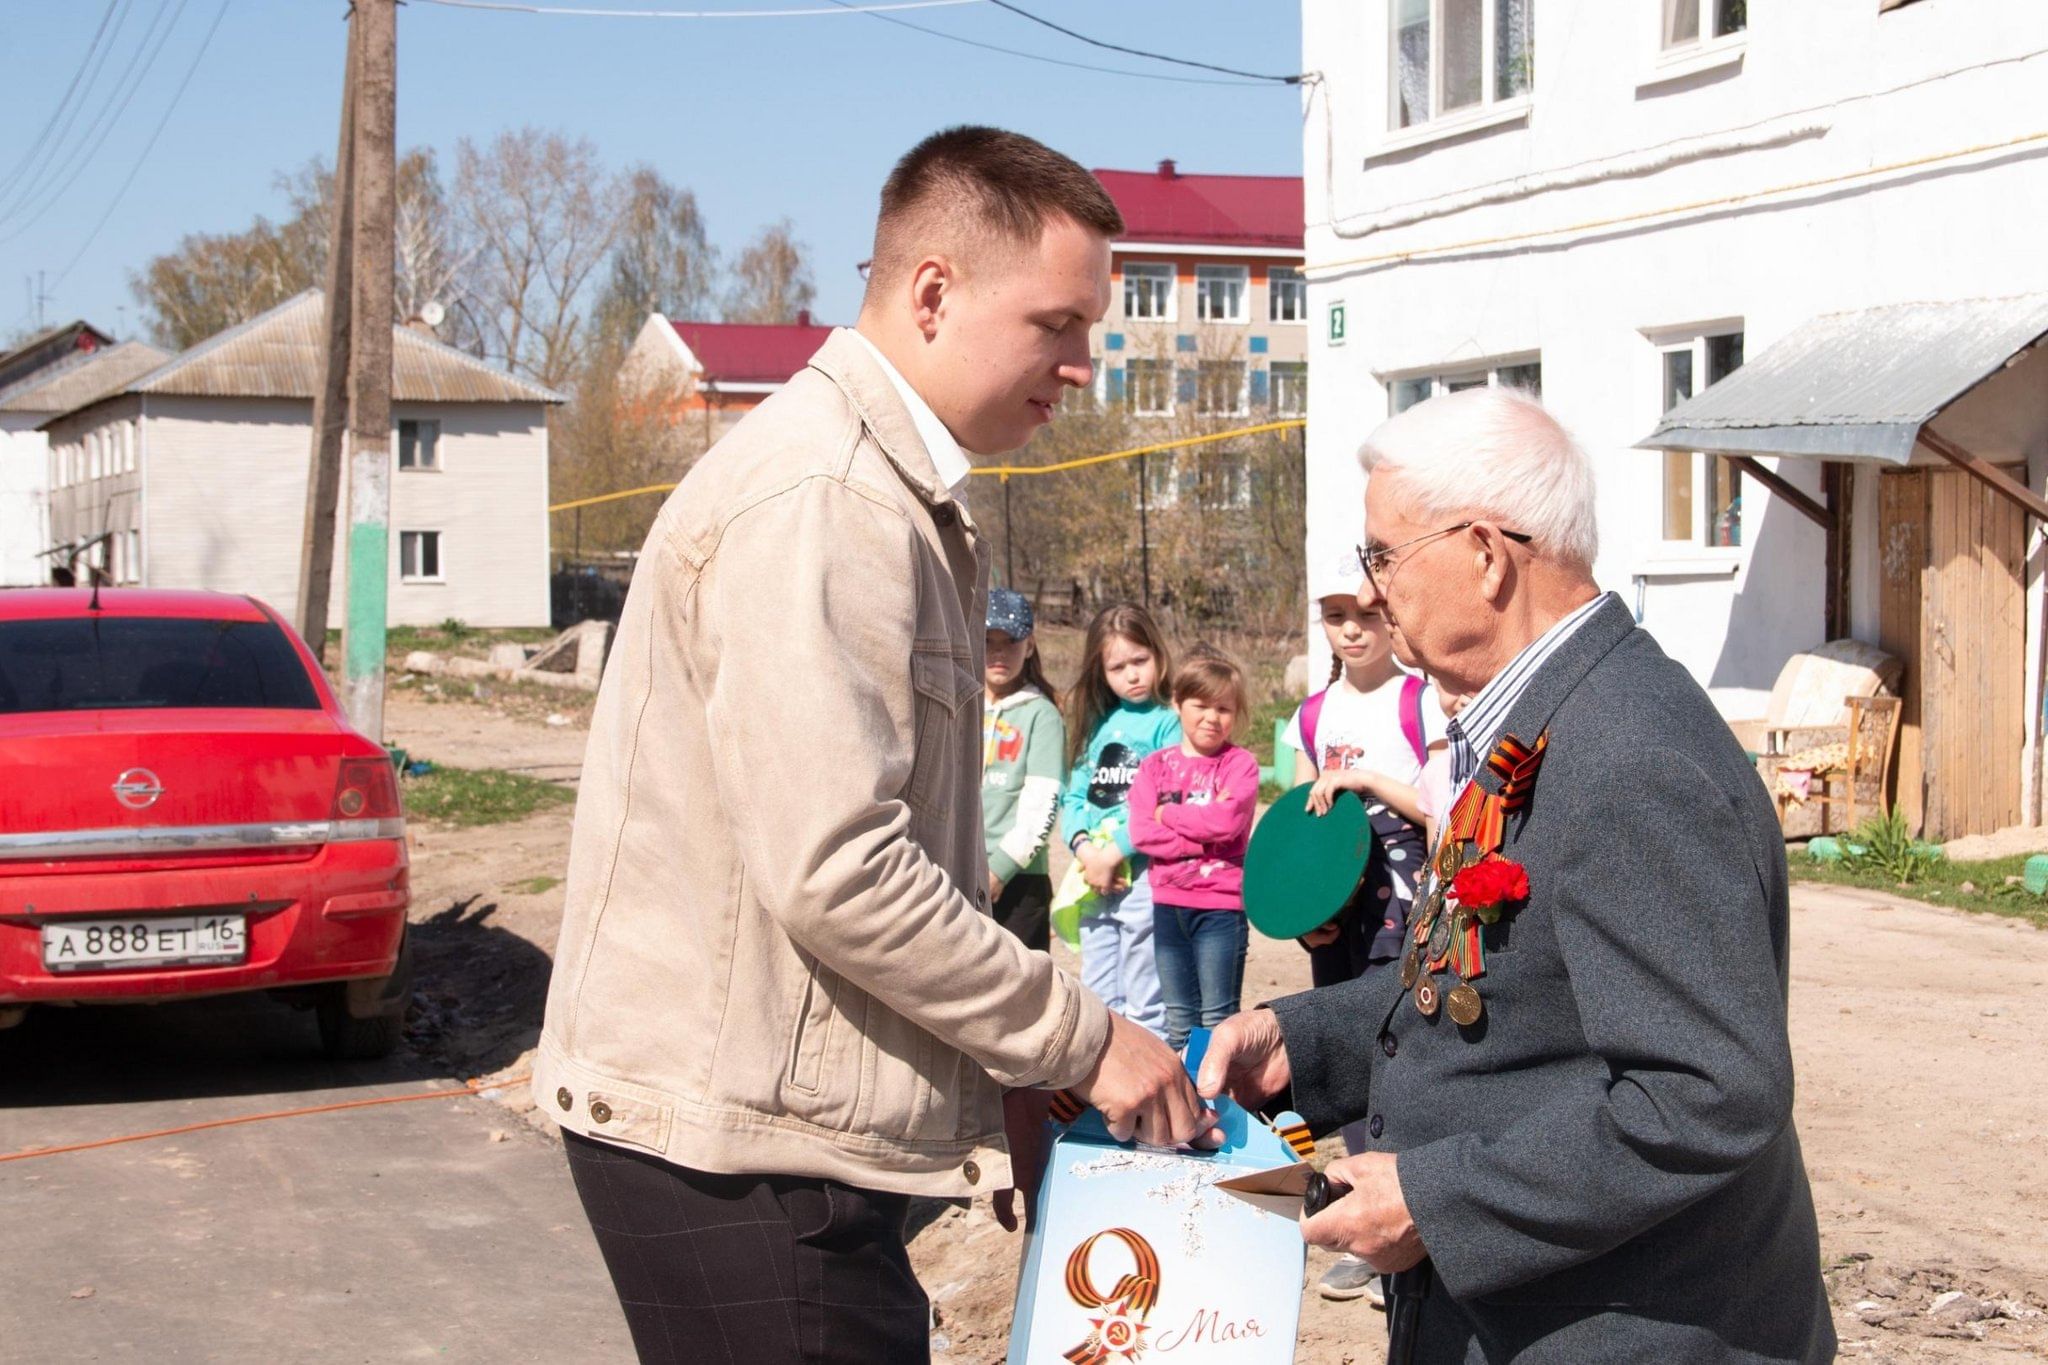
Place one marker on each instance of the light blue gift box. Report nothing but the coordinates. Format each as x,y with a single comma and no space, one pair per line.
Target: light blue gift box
1139,1253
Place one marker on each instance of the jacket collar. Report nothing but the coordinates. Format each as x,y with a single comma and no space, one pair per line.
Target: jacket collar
1023,694
848,364
1560,675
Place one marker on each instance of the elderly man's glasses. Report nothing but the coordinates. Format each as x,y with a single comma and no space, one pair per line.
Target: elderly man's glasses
1377,560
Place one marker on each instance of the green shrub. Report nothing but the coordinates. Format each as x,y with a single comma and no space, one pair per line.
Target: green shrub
1885,844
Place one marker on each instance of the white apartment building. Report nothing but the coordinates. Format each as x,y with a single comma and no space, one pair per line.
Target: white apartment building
1618,205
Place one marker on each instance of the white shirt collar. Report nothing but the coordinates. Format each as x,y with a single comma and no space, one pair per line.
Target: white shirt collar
947,458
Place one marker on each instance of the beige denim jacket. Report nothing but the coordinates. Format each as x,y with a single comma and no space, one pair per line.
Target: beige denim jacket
776,953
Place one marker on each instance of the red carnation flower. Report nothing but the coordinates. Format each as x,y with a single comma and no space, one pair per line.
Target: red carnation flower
1489,884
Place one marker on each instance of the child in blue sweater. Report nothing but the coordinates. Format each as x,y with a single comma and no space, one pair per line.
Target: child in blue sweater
1116,715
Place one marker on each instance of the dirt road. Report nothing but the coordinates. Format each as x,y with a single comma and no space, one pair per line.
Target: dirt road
1920,1108
1915,1032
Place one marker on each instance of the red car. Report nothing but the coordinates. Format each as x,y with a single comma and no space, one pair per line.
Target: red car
185,811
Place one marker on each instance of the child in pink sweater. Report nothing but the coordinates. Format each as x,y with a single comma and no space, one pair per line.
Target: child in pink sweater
1191,812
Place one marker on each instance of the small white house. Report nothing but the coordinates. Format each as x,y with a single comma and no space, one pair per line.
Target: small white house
1619,205
194,475
39,378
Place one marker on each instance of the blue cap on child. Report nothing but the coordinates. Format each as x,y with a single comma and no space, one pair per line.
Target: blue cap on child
1009,611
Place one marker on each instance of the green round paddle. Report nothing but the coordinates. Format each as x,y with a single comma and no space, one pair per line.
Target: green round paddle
1301,868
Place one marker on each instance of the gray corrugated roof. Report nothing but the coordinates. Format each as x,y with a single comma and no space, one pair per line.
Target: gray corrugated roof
1856,384
278,355
75,386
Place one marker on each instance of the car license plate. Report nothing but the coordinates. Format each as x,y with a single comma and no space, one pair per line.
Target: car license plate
145,941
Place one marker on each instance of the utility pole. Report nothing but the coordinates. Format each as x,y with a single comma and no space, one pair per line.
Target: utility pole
330,405
369,380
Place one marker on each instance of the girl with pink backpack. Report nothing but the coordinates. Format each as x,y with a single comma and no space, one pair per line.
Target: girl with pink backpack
1370,732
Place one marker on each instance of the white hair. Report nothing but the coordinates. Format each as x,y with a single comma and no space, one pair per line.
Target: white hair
1492,453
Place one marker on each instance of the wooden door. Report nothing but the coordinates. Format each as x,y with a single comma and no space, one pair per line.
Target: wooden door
1953,606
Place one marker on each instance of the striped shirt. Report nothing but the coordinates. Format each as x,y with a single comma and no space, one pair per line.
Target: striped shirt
1472,732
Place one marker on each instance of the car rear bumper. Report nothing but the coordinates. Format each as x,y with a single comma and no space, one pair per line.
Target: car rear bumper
337,915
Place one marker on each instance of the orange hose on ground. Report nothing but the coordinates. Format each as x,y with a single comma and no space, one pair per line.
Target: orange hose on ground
471,1088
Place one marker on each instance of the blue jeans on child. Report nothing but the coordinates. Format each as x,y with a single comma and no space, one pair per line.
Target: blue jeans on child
1116,955
1201,966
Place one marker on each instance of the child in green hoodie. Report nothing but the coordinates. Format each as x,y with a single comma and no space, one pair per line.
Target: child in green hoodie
1116,714
1023,739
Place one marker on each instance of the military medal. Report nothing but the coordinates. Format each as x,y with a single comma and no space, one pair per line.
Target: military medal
1463,1004
1439,937
1411,967
1426,997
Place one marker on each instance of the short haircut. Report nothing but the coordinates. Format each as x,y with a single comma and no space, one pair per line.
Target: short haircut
1494,453
974,186
1207,673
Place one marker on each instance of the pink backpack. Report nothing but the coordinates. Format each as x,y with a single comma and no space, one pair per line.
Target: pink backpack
1411,719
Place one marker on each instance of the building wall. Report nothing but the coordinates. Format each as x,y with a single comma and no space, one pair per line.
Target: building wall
24,501
1541,230
219,500
94,470
1185,340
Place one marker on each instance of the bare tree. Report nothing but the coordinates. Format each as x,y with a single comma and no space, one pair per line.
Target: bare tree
662,262
771,280
430,265
213,281
541,216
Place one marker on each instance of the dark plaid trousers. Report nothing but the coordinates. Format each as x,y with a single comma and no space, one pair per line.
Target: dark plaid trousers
760,1269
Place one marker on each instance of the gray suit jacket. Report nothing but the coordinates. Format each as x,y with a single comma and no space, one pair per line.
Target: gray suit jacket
1604,1167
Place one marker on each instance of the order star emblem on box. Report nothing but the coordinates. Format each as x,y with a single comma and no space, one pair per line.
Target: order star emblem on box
1164,1255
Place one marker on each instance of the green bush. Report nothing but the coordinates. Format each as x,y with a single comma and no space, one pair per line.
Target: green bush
1885,844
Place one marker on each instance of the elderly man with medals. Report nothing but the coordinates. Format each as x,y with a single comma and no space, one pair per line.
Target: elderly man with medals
1578,1084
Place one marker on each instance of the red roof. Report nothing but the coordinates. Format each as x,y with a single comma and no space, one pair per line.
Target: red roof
752,353
1250,211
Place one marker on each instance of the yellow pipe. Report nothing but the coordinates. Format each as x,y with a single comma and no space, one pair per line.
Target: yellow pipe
1004,472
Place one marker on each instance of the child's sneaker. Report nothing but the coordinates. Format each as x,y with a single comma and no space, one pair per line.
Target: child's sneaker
1352,1277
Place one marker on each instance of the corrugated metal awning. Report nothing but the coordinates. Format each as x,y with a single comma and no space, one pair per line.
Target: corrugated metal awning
1856,385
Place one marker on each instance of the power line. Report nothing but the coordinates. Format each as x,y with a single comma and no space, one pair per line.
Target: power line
35,146
510,8
1050,61
1140,52
104,123
66,113
149,146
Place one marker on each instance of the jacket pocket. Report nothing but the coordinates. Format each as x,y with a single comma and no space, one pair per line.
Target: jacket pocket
943,685
813,1028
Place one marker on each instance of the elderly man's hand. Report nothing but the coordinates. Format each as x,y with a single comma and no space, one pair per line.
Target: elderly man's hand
1372,1221
1247,1060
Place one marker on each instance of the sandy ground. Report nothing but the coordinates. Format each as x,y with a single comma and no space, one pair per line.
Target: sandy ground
1915,1031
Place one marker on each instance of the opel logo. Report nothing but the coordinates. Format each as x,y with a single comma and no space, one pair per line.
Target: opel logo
137,789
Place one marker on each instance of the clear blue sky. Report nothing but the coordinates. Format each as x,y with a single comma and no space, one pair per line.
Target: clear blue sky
761,117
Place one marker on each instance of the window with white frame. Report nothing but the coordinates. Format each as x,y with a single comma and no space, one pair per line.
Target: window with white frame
134,558
419,556
1220,389
1702,500
1148,291
132,444
1148,387
419,445
1286,295
1450,57
92,455
1220,293
1687,22
1408,390
1287,387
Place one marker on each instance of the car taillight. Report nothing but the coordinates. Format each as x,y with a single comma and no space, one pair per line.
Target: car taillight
366,790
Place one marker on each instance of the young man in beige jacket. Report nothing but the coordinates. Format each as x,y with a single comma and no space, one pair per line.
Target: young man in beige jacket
780,1006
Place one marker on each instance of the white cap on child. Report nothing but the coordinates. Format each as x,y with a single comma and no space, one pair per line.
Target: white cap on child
1336,575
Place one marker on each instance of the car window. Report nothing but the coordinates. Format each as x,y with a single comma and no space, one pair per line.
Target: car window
100,663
